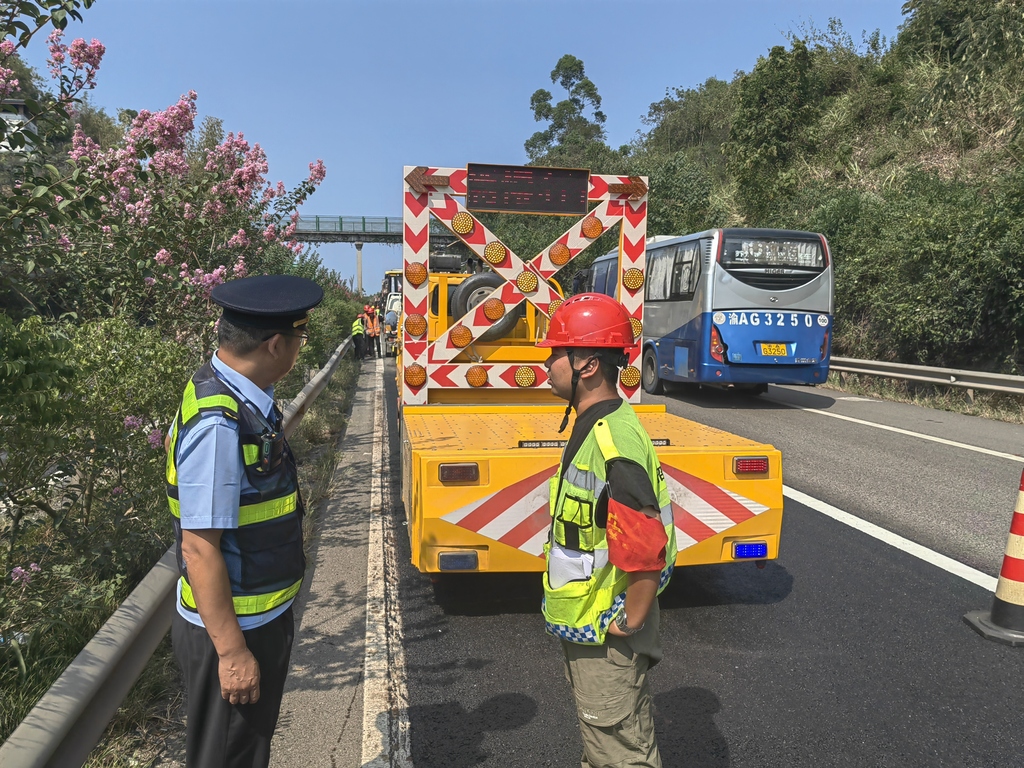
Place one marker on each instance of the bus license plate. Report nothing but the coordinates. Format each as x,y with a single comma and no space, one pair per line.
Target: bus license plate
774,350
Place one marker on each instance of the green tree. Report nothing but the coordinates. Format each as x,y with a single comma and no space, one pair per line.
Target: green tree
769,130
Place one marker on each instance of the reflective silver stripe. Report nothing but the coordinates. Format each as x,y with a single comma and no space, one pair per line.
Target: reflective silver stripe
666,514
588,481
600,558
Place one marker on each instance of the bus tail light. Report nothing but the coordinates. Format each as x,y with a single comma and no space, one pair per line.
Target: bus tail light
717,347
750,465
824,347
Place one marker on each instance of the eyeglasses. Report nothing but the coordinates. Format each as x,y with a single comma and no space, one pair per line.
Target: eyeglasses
303,336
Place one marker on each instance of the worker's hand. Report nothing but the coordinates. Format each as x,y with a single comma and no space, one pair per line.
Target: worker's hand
613,629
240,677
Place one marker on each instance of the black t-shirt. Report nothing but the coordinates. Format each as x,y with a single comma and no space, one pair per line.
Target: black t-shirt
628,482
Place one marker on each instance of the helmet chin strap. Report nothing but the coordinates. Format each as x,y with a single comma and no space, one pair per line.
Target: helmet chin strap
572,395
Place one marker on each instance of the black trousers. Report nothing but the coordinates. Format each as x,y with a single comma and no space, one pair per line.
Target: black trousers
220,734
358,341
372,342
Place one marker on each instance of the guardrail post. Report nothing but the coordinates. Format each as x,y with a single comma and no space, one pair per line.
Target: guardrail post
364,224
317,223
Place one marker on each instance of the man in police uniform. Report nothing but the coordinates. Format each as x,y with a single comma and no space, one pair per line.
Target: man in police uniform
612,546
233,490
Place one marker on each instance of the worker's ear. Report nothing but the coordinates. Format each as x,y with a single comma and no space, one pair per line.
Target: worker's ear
590,368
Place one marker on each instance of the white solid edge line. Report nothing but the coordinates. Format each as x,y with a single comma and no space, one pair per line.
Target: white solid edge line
887,428
947,564
385,718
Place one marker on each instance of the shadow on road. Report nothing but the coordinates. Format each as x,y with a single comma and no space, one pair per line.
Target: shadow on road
448,735
684,719
714,398
727,584
488,594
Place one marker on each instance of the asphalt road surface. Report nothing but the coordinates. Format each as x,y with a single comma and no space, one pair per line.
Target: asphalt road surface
845,651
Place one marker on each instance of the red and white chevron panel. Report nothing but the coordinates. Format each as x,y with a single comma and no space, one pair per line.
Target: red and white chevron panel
702,509
633,255
518,515
499,375
613,209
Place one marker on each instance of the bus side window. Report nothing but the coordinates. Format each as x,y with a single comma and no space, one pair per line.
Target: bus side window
685,272
659,274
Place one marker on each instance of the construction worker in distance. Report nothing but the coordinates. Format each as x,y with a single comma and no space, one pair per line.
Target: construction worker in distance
612,544
357,336
372,330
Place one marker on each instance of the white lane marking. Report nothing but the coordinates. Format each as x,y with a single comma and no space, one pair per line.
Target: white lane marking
887,428
906,545
385,695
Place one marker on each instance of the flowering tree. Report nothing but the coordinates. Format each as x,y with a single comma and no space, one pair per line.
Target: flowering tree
108,256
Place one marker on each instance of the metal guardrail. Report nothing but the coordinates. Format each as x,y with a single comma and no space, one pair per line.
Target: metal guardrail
67,722
950,377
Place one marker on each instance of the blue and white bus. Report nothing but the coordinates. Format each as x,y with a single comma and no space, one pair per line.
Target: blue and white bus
733,307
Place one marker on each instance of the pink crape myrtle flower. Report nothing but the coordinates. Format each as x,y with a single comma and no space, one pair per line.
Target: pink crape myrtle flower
155,439
239,240
163,257
317,171
7,48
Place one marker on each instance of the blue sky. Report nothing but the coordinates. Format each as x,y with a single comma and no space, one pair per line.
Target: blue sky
370,87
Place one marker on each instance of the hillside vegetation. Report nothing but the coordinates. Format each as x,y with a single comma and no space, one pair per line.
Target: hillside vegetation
906,154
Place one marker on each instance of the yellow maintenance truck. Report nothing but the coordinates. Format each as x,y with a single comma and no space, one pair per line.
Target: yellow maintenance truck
479,425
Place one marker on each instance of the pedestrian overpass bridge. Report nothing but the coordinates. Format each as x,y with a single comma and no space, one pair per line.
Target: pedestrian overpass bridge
360,229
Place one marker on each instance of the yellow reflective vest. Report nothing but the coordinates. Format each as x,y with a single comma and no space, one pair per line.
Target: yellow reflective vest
580,609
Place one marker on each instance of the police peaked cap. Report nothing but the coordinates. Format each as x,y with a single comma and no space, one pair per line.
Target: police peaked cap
268,301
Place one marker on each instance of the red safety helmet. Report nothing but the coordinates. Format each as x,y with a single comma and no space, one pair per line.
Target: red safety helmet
366,307
590,320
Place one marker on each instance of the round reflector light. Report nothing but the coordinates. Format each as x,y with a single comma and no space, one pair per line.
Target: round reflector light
415,325
461,336
416,274
415,375
525,376
495,252
559,254
630,377
526,281
494,310
592,227
633,279
476,376
638,327
554,305
462,223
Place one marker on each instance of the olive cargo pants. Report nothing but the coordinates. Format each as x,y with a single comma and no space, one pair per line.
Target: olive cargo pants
613,703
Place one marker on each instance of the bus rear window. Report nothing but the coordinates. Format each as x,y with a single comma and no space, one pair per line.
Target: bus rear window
787,254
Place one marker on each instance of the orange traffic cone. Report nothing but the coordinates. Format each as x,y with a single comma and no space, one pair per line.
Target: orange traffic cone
1005,622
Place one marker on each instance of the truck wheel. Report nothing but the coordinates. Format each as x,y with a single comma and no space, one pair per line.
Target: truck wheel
649,370
475,289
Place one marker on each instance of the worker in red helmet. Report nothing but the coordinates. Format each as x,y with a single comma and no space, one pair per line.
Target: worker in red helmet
611,549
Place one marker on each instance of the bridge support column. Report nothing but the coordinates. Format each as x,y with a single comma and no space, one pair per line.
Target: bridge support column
359,268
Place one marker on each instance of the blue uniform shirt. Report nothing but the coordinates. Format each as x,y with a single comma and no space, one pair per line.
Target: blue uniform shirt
211,475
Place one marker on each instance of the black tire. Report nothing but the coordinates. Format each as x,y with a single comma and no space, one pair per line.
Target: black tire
475,289
653,385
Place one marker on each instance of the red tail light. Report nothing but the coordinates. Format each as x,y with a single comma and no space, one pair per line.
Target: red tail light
750,465
824,347
717,347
